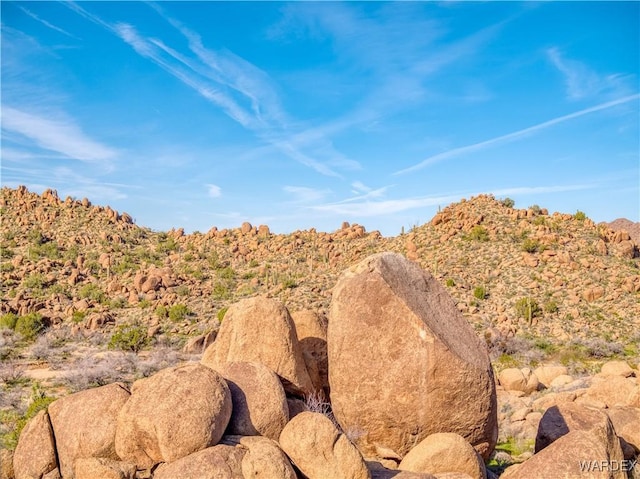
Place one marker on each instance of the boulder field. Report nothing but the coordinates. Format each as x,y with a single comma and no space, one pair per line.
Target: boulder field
396,384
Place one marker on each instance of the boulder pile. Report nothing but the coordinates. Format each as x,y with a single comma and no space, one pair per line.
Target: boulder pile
397,384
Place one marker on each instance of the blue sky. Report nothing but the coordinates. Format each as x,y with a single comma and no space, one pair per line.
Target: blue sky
300,115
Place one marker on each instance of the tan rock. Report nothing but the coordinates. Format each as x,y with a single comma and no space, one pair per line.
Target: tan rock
172,414
614,391
617,368
244,337
6,464
35,454
561,380
311,329
513,379
626,422
419,367
259,402
263,458
84,424
593,294
101,468
548,373
569,455
319,450
216,462
444,452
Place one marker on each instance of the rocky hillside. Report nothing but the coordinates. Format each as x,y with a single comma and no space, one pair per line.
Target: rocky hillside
555,275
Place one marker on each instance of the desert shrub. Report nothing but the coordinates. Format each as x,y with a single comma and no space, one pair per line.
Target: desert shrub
30,325
166,246
221,290
78,316
8,321
527,308
551,306
221,313
34,281
478,233
479,292
450,282
182,290
6,267
144,304
289,283
530,245
36,237
226,273
5,252
129,337
580,215
39,401
117,303
162,312
508,202
178,312
536,209
92,292
253,263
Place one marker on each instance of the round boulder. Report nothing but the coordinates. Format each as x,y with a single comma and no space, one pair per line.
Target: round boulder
444,452
84,424
403,362
259,402
261,330
172,414
319,450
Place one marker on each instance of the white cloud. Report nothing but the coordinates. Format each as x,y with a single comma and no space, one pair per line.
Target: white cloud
515,135
582,82
359,187
214,191
303,194
56,133
46,23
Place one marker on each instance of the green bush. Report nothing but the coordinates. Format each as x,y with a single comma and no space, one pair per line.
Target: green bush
162,312
178,312
39,401
527,308
478,233
450,282
508,202
221,313
221,290
551,306
479,292
78,316
93,292
580,215
8,321
530,245
129,337
30,325
34,281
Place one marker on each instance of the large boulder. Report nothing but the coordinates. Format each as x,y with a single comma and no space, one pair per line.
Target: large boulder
35,454
546,374
626,422
172,414
444,452
216,462
101,468
263,458
259,402
84,424
514,379
319,450
261,330
579,453
614,391
403,361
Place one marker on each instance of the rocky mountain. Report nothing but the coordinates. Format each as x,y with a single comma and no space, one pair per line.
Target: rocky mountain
90,298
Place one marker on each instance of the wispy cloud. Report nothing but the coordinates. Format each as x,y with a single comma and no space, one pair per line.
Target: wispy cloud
515,135
304,194
46,23
384,207
582,82
56,133
240,89
214,191
537,190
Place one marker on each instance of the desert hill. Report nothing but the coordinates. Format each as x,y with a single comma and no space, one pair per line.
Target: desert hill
524,271
90,298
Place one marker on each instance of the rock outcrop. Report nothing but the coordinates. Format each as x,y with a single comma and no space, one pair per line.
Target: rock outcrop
403,362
